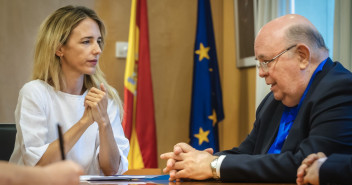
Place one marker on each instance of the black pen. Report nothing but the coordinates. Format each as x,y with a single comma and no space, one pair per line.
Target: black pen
61,142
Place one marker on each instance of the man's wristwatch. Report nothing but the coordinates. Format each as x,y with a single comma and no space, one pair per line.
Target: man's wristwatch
213,165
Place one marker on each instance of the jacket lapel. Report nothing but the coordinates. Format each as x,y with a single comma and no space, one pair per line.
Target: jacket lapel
272,129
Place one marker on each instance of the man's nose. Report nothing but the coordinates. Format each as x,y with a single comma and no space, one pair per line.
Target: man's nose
262,73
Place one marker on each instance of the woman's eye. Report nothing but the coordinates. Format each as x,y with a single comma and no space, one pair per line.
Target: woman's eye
85,42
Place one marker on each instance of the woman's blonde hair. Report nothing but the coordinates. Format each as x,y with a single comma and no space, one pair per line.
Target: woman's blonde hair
54,33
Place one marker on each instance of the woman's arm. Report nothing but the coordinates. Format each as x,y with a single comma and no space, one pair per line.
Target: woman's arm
70,139
109,155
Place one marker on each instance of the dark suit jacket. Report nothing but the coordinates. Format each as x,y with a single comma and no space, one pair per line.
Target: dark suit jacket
323,124
337,169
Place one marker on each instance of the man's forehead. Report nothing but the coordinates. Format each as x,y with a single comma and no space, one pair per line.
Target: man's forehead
269,39
266,44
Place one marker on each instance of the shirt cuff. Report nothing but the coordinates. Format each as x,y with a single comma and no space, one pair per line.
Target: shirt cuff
218,164
322,160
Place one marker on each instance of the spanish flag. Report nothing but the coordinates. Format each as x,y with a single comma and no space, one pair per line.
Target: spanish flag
138,120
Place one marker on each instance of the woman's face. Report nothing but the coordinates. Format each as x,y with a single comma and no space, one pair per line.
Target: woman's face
81,52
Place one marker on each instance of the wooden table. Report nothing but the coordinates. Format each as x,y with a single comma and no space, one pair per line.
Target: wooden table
166,182
178,183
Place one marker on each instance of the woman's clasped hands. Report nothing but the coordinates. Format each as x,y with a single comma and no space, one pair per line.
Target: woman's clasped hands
96,103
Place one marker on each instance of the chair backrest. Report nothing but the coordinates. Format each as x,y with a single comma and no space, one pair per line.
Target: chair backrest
7,140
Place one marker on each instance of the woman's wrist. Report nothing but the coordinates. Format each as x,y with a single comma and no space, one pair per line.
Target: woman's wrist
85,122
104,124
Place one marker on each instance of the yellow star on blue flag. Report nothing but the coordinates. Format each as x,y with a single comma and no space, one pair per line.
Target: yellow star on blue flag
213,117
202,136
202,52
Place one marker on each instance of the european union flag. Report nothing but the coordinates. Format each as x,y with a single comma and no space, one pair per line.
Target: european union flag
206,110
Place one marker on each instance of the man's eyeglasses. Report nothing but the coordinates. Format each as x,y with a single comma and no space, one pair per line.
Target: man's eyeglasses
264,65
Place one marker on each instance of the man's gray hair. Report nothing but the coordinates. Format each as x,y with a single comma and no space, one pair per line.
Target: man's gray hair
307,35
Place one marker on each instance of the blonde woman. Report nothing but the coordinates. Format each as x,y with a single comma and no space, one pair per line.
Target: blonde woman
69,88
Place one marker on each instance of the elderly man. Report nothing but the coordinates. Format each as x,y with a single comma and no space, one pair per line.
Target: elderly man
308,110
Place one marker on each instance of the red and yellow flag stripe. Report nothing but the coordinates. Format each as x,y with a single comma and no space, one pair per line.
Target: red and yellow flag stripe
139,119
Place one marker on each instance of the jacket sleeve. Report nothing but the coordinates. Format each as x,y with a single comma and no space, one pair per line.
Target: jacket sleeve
337,169
248,145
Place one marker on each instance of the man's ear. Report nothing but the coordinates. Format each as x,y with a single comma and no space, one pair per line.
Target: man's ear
304,55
